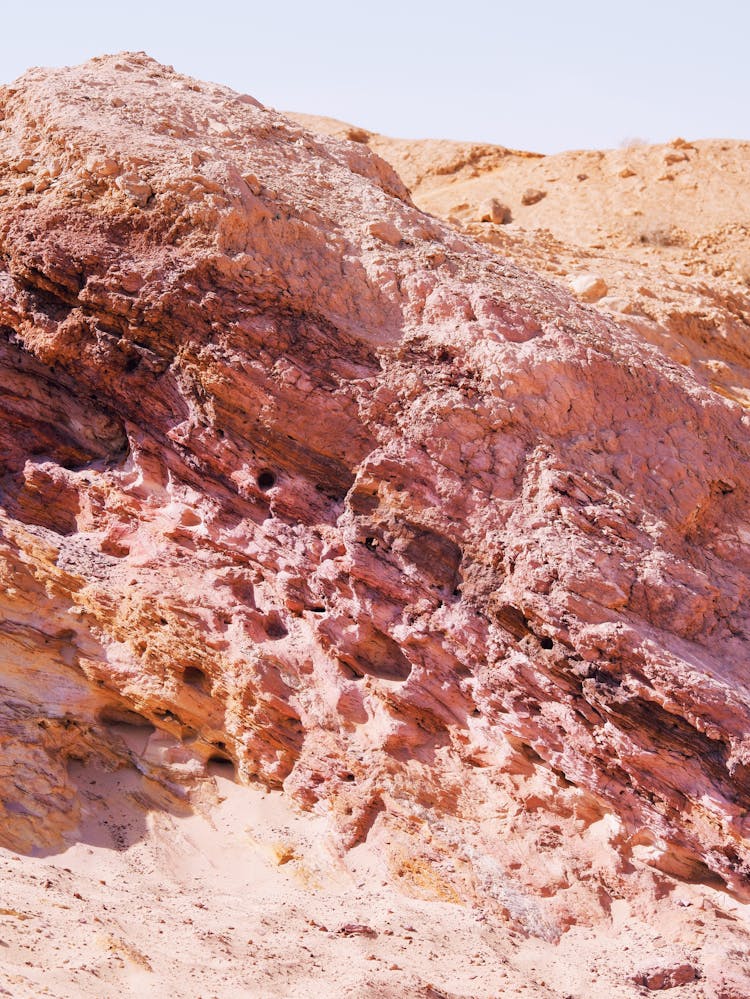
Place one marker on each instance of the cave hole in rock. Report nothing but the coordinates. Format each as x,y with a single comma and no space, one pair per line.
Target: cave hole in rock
168,716
218,765
195,677
546,643
116,716
132,728
266,480
371,543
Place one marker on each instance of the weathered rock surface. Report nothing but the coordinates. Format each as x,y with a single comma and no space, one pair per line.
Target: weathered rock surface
299,478
674,255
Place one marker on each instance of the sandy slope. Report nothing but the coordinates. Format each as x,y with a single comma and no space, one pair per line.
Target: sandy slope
248,898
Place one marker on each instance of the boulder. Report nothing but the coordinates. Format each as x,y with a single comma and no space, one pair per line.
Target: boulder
495,211
532,195
588,287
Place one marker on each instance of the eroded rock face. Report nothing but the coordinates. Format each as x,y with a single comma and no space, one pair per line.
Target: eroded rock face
295,476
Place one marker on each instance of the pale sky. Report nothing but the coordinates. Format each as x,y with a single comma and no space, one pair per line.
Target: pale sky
532,74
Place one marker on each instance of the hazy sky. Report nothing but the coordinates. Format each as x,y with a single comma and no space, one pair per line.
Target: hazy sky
534,74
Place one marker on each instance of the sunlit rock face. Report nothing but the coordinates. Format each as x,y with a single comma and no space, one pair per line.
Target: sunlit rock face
297,478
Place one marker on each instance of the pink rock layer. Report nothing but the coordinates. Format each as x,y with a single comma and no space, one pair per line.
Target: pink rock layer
297,478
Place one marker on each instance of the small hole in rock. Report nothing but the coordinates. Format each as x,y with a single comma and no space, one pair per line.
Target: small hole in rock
195,677
167,716
274,626
371,543
547,643
266,480
348,777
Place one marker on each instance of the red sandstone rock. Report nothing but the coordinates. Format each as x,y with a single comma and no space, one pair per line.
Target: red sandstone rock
296,477
667,978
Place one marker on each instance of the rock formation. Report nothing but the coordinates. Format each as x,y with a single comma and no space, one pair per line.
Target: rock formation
301,482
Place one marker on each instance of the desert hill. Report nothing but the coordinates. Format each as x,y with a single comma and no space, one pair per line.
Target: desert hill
375,564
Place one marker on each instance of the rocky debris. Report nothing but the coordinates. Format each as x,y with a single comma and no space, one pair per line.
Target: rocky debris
303,487
660,979
495,211
588,287
356,930
532,196
131,185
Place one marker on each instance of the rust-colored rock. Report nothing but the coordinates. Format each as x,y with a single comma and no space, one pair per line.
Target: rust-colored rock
300,481
660,979
532,195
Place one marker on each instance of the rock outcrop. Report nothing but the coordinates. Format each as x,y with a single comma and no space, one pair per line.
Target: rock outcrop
298,480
